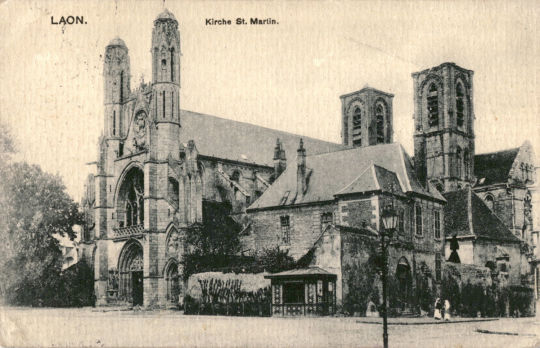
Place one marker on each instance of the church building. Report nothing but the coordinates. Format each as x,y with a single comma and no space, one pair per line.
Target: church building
159,166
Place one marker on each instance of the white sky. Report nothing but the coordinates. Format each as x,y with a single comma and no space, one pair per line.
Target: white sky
288,76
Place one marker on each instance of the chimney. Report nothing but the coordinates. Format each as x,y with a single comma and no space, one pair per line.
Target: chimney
301,171
280,161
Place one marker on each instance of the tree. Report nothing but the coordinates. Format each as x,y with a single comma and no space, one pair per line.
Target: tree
213,244
34,207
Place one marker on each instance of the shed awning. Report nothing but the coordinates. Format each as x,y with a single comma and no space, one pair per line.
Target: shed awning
302,273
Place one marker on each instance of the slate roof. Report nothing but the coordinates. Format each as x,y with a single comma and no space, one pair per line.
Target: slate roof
244,142
374,178
494,168
466,215
333,172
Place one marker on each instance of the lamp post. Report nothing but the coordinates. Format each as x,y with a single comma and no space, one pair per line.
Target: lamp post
389,218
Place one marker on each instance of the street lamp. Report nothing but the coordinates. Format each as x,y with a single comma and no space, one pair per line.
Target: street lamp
389,219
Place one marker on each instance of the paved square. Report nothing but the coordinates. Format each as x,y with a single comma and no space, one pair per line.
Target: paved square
93,327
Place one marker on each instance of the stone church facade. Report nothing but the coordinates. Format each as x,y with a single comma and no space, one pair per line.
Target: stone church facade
159,165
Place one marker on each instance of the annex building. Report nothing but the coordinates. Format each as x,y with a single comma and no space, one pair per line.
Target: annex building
159,166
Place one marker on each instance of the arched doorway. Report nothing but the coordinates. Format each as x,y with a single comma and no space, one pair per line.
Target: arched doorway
130,267
404,283
172,279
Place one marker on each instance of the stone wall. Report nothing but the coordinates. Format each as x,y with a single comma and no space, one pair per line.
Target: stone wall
305,228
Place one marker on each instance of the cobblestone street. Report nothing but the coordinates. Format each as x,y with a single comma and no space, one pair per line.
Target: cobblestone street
92,327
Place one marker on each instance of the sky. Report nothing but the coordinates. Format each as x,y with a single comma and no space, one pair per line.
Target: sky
287,76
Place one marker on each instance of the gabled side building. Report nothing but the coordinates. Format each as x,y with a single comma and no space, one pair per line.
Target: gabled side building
158,166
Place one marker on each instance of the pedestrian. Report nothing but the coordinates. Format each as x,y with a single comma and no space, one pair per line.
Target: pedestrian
437,311
446,310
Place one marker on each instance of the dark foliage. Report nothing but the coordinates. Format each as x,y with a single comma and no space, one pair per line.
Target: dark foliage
34,207
362,276
212,244
425,295
450,291
521,300
77,286
272,260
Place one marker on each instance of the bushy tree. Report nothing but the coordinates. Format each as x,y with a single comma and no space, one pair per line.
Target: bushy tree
34,206
212,244
274,260
360,284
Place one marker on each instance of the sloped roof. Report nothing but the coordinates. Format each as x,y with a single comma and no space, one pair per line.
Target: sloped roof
494,167
333,172
373,178
466,215
244,142
312,270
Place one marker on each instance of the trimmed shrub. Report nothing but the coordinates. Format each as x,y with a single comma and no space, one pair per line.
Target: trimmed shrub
218,293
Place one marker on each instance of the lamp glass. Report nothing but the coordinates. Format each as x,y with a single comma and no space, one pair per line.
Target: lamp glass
389,218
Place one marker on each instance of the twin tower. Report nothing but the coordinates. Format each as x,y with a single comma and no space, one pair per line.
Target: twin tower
443,108
443,124
165,78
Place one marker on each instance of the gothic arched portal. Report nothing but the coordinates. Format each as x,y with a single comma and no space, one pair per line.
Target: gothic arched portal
172,279
130,268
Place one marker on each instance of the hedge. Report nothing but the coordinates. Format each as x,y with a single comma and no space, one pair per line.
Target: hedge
218,293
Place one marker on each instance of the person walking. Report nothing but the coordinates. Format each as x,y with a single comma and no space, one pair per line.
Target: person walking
446,310
437,311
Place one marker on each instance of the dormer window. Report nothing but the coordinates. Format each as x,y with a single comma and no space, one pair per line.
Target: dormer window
433,105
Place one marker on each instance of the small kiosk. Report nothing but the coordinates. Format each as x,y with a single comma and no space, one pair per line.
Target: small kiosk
307,291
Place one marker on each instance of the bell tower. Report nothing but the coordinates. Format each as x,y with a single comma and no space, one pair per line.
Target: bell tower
166,68
444,126
366,117
116,77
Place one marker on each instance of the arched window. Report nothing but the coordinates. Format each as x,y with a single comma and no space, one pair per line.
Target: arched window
163,95
172,64
130,201
173,192
380,115
466,163
129,209
490,201
460,106
121,87
235,176
433,105
357,126
114,123
163,64
459,162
